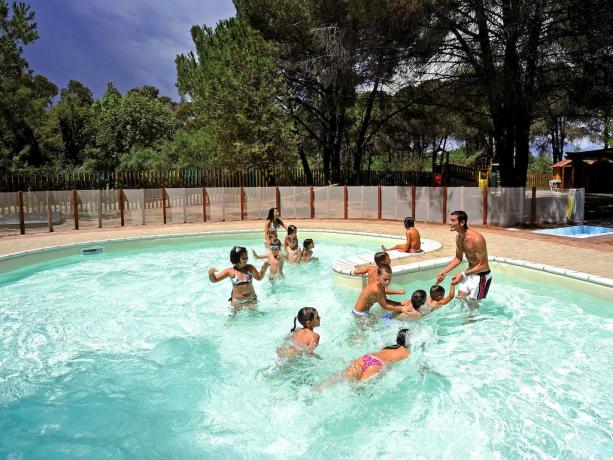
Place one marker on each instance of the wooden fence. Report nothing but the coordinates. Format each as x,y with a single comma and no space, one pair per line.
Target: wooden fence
13,182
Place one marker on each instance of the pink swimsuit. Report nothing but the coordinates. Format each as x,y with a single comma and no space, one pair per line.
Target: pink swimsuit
369,361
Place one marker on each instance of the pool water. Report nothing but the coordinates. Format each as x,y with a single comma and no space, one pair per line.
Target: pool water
137,355
578,231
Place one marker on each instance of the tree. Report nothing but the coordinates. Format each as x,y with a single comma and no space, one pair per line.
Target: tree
24,98
330,51
236,95
75,120
124,122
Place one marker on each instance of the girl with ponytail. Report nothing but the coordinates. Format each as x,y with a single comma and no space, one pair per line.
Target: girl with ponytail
303,339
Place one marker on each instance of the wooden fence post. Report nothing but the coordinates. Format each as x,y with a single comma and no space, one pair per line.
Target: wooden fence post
163,189
277,198
49,210
242,203
184,204
100,208
121,210
312,203
203,204
485,194
345,202
444,217
533,207
379,202
22,217
413,197
75,208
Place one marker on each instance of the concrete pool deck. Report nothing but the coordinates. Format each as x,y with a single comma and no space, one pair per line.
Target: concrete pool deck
592,255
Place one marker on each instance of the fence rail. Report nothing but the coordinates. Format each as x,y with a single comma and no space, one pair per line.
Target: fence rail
191,178
38,211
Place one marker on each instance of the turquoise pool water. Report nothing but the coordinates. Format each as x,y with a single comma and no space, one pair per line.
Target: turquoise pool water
134,354
578,231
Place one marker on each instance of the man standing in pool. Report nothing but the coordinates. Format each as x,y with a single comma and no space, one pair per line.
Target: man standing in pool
474,282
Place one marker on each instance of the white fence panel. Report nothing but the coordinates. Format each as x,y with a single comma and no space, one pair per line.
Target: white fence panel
467,199
295,202
396,202
329,202
258,201
428,204
362,203
505,206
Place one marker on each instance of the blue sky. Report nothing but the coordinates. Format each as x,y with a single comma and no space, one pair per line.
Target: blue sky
129,42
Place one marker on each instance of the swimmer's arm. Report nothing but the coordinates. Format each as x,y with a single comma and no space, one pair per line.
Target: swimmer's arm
395,291
459,254
255,254
215,277
391,305
450,297
266,225
360,270
257,274
282,224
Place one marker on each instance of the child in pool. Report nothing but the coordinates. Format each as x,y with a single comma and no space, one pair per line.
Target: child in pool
375,293
304,339
418,299
371,364
371,270
437,296
294,253
307,251
275,258
241,274
273,222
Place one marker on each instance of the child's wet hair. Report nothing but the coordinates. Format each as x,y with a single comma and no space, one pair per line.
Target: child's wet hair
271,214
383,268
276,243
291,229
409,222
306,243
304,314
401,340
418,298
437,291
235,254
380,257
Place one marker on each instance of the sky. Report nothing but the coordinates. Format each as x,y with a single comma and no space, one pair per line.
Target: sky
129,42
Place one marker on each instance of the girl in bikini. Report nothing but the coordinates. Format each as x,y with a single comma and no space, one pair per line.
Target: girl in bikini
294,253
241,274
370,364
271,225
303,340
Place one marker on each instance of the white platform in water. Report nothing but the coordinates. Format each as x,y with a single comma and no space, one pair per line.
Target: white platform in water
346,264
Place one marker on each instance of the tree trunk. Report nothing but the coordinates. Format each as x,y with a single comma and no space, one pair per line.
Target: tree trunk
305,166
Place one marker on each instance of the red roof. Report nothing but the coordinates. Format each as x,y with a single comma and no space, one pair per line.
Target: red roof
561,163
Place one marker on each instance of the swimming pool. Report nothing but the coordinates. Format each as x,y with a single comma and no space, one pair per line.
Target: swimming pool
132,353
578,231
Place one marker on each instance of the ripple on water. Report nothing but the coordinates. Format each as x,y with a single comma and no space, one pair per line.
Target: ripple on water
149,346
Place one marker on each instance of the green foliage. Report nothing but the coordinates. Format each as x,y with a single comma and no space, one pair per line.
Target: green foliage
187,150
539,163
235,92
24,98
122,123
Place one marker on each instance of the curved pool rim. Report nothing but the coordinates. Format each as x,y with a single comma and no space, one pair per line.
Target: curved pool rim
45,254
